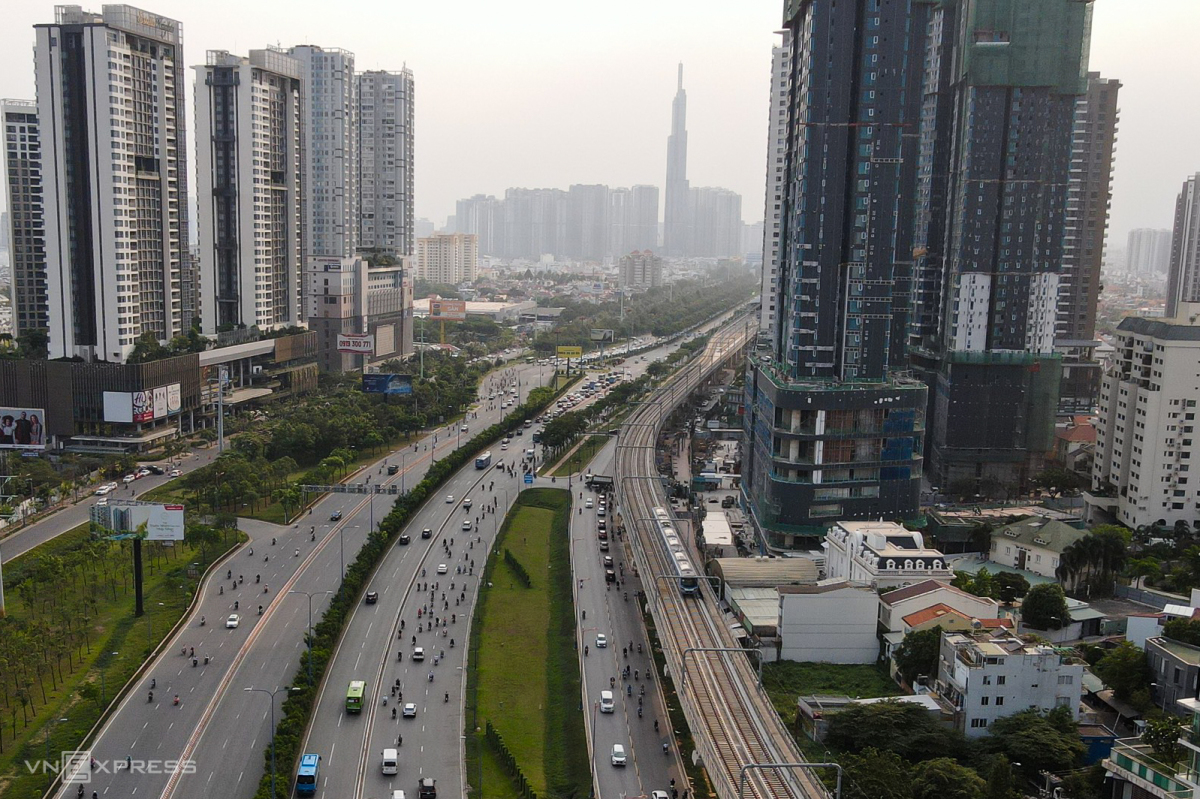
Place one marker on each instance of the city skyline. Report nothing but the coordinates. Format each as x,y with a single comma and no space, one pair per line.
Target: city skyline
612,71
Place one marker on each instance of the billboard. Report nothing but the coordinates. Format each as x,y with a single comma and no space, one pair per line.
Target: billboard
570,352
448,310
601,335
163,522
387,384
142,406
361,345
22,428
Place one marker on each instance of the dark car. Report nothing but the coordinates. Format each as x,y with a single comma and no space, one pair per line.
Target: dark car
372,597
393,469
404,539
610,576
155,469
427,533
426,788
335,516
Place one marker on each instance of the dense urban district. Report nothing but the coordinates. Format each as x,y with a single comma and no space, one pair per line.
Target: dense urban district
884,497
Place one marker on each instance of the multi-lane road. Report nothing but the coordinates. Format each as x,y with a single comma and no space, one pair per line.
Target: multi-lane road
220,729
611,610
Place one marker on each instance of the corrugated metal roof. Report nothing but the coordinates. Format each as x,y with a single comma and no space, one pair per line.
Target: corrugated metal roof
771,571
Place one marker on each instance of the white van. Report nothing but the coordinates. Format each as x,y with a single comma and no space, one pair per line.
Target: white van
390,761
397,794
606,702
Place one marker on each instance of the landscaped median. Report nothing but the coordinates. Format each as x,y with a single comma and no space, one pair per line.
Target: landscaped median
524,727
298,707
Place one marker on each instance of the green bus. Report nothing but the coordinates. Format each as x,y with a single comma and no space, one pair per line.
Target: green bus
354,696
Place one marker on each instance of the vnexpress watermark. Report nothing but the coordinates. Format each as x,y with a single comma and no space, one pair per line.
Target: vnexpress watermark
78,766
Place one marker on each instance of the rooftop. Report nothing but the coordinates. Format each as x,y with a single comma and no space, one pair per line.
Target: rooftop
1037,532
765,571
918,589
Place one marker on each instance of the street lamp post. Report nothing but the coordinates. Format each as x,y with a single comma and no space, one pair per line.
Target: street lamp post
271,694
102,686
46,763
308,638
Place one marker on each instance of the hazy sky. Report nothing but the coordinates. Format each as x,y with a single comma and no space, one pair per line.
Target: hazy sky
545,94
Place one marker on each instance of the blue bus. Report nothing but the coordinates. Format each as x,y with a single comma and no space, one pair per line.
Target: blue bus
484,460
306,777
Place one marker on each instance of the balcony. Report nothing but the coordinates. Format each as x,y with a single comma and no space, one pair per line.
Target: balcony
1134,762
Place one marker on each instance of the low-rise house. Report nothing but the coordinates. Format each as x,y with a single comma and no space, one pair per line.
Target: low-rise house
896,604
883,554
986,676
1035,544
814,712
1176,669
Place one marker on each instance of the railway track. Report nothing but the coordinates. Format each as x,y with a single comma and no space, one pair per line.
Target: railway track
731,719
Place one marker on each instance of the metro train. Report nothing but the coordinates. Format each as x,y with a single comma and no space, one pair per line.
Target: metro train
689,583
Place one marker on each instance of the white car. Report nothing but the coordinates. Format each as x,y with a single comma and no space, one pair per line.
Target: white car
463,429
176,473
659,795
410,710
449,499
418,653
442,568
587,503
233,621
467,503
102,501
504,447
618,755
104,489
129,478
601,641
466,525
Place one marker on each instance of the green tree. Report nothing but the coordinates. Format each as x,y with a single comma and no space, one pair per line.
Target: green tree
1185,630
1124,669
1163,736
1141,568
899,727
1045,607
1058,478
1010,586
918,654
942,778
1039,742
1000,779
876,774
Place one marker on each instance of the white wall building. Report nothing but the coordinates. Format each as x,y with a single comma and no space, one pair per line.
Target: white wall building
114,168
830,622
1035,544
330,119
881,553
1145,435
448,258
385,161
776,151
248,161
990,675
21,166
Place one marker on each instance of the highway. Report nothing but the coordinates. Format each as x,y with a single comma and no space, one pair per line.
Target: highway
219,730
375,650
731,719
604,610
217,726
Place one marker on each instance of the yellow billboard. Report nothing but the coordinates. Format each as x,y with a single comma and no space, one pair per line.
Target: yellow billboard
570,352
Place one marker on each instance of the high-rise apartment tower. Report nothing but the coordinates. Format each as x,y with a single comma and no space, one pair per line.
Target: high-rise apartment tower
385,161
26,227
114,168
248,170
1183,274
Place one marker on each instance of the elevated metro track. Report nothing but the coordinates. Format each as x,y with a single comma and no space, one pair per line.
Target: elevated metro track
731,718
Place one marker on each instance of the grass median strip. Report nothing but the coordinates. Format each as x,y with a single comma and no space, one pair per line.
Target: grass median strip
525,677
